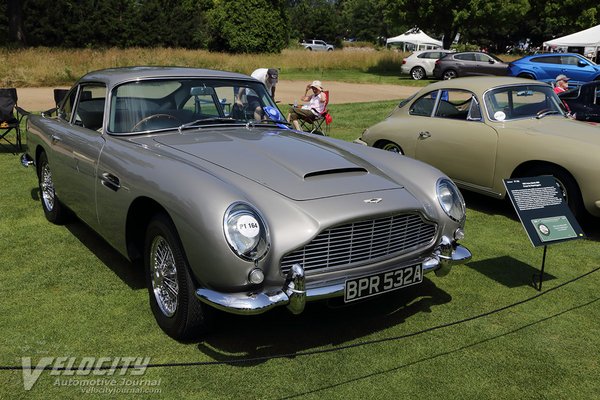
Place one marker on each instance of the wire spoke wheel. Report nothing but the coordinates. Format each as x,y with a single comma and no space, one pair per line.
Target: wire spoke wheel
47,187
164,276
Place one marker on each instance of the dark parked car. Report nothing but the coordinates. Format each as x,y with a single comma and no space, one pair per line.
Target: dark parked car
469,63
584,101
546,67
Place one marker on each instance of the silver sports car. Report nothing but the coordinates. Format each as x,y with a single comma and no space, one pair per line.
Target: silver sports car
197,173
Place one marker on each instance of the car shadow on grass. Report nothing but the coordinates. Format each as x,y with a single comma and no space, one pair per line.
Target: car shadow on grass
252,340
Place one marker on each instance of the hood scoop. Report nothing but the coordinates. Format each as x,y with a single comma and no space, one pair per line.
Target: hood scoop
337,171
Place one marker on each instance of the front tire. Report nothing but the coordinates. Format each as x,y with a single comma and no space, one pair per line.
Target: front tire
417,73
568,185
53,209
171,289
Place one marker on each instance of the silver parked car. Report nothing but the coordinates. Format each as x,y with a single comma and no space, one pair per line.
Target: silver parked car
227,206
420,64
317,45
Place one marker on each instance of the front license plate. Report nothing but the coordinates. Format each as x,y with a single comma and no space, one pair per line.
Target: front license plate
368,286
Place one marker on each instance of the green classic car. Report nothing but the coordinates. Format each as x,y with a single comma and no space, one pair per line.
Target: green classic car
482,130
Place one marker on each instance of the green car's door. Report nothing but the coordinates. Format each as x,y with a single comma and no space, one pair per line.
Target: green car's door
457,141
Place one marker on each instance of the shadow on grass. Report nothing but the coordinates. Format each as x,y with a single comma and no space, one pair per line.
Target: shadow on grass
323,323
508,271
131,274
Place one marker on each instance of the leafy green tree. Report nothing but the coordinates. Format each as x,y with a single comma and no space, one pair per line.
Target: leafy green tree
248,26
315,19
363,19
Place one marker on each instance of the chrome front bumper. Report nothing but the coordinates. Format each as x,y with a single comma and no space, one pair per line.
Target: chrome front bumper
294,294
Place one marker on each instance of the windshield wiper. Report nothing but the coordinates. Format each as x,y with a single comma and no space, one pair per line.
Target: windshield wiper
272,121
203,121
542,115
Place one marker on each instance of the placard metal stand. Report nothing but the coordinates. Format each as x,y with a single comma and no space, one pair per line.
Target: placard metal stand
545,216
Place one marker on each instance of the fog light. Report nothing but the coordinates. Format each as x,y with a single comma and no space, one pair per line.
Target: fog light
256,276
459,234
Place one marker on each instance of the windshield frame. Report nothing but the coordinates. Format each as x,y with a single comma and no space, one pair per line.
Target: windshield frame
123,97
492,113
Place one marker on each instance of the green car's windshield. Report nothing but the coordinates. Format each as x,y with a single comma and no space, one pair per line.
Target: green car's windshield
522,101
150,105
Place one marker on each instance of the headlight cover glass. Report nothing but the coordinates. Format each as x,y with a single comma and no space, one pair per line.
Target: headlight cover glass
246,231
450,199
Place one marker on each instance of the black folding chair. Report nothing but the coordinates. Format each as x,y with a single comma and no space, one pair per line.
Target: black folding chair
11,116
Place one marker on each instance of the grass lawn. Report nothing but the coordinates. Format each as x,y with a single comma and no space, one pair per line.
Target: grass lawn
481,332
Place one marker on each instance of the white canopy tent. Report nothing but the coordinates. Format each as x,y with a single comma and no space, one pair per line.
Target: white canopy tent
589,39
415,39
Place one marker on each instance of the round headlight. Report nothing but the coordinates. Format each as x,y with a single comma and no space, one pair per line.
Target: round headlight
450,199
245,231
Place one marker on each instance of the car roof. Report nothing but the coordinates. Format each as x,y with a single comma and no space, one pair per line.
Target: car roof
548,55
479,84
113,76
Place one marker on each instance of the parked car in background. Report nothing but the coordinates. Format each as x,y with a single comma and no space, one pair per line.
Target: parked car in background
546,67
419,65
317,45
233,210
469,63
584,101
480,131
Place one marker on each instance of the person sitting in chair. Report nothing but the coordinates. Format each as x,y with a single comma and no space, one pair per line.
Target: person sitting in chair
309,112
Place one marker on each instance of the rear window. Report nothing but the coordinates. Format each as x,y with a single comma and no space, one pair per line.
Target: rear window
465,57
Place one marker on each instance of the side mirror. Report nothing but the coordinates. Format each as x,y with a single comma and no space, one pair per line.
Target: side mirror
581,63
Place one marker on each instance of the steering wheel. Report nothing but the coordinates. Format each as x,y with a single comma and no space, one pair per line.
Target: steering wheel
154,116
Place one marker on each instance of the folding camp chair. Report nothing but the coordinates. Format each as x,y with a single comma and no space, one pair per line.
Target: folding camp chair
316,125
11,116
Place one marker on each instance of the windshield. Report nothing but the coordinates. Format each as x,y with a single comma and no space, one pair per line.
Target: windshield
150,105
522,101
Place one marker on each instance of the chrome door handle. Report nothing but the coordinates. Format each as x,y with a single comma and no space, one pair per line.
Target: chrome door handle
424,135
110,181
55,139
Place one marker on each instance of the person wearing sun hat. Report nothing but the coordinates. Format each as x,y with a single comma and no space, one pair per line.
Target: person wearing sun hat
308,112
561,83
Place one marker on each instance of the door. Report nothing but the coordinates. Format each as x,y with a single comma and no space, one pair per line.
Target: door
577,68
457,141
77,147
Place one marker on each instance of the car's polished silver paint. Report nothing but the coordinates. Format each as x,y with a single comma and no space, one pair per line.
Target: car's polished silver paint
298,184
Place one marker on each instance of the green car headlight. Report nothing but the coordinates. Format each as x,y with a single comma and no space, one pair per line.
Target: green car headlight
246,231
450,199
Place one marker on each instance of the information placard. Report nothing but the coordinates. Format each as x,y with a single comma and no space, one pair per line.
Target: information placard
542,210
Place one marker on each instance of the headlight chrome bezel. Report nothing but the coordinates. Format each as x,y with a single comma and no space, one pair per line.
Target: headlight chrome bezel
450,199
246,231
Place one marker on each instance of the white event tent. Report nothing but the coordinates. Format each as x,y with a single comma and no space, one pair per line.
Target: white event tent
589,39
415,39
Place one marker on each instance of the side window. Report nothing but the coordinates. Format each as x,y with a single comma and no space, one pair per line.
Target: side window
465,57
547,60
474,110
483,58
454,104
66,110
424,105
569,60
90,110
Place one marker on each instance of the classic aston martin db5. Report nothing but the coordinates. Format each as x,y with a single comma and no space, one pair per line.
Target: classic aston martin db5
482,130
197,173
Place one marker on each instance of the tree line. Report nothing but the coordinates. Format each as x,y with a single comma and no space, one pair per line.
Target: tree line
268,26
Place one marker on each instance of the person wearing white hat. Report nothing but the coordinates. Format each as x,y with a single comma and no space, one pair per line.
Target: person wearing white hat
561,83
314,108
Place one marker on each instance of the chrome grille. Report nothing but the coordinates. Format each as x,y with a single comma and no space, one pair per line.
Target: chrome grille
362,241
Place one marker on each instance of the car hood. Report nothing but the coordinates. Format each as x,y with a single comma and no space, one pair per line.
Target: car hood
558,127
299,166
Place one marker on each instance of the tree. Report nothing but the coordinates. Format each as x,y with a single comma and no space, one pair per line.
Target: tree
14,12
248,26
314,19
